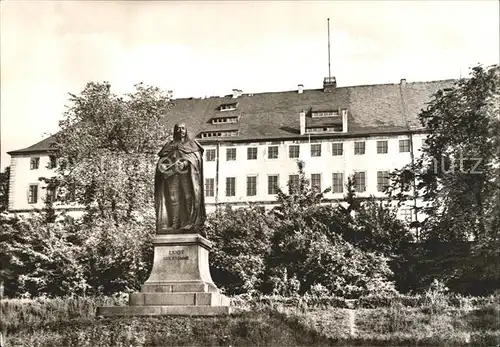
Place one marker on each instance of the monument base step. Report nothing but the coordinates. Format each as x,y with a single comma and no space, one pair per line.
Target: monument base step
179,286
124,311
178,299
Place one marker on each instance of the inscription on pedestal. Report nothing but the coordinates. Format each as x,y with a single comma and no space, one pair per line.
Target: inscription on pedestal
177,254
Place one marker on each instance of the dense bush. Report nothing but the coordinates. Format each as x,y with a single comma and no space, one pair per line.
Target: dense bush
242,242
41,258
295,248
70,257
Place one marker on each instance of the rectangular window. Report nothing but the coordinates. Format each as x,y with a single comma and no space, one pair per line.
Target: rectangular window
337,182
293,151
293,183
230,186
316,181
230,154
251,185
224,120
34,163
316,150
52,162
337,148
209,187
382,180
33,194
251,153
71,192
359,147
221,133
382,147
406,214
272,152
360,181
210,154
404,146
51,195
272,184
228,107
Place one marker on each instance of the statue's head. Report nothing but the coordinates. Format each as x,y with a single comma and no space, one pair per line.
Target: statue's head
180,131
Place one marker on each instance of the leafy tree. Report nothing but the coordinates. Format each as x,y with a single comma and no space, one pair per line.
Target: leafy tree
457,177
69,257
116,259
301,195
4,189
379,229
241,239
308,247
40,258
457,174
106,147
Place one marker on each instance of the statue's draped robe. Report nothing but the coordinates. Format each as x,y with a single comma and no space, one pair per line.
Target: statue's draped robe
191,152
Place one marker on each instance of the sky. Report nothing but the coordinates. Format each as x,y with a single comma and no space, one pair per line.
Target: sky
51,48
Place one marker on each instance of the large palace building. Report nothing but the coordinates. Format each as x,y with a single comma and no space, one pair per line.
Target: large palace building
253,142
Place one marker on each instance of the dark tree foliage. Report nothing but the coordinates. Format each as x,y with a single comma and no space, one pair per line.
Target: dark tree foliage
4,189
241,239
294,248
458,178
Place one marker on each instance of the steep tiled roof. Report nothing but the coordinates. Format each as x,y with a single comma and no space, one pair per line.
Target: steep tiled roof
42,146
381,108
371,109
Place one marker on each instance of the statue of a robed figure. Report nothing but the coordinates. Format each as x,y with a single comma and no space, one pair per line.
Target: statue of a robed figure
179,194
180,282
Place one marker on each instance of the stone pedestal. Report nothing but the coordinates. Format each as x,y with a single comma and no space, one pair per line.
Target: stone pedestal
179,284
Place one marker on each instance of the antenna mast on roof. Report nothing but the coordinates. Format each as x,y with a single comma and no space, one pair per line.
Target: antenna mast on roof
329,72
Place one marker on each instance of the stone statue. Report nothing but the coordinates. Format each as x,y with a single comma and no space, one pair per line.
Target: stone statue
179,194
180,282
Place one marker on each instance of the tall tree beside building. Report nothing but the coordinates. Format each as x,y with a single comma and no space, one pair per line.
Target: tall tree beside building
458,170
107,147
4,189
457,174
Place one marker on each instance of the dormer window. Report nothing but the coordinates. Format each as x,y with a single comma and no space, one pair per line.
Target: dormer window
324,114
224,120
447,91
228,107
218,133
329,129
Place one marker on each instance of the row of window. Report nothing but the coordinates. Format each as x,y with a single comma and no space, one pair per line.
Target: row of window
225,120
337,129
50,195
35,162
272,152
338,183
33,194
322,114
294,150
220,133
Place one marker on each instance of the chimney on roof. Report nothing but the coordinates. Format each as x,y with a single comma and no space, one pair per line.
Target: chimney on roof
344,120
403,81
237,93
302,121
300,89
329,84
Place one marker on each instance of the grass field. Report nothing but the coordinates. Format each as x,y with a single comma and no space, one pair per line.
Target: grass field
71,322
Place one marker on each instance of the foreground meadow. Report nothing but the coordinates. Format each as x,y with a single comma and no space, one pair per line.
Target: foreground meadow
72,322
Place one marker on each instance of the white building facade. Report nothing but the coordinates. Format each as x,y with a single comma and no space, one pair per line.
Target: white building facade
253,142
